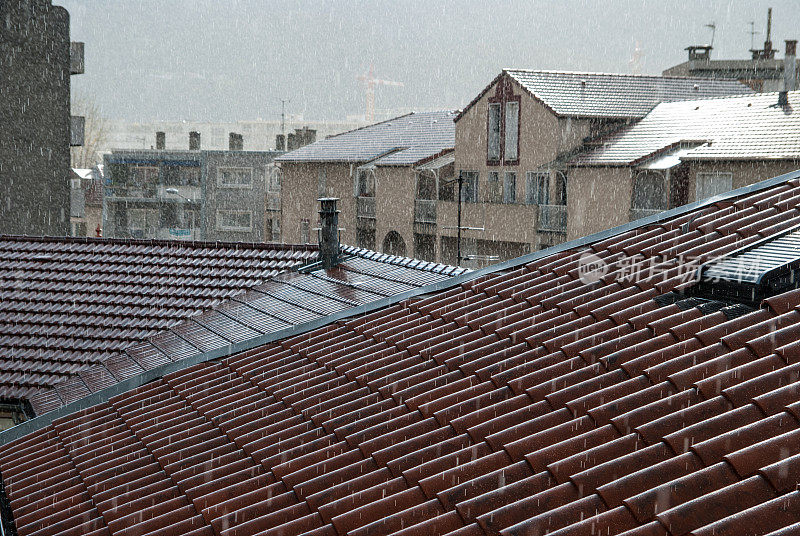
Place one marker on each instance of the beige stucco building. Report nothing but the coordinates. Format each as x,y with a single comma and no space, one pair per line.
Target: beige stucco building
376,171
507,152
513,142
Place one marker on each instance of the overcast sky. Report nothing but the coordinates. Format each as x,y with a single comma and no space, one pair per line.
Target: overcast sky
226,60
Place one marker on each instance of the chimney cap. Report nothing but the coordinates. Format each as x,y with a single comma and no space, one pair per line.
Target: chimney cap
791,47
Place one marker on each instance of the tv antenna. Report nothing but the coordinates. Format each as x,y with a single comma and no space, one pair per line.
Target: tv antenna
713,26
753,33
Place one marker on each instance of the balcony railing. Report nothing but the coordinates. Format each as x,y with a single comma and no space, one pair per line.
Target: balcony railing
553,218
365,207
273,202
638,213
424,211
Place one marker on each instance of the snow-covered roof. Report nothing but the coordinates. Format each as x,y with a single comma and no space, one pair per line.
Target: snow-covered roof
401,141
748,127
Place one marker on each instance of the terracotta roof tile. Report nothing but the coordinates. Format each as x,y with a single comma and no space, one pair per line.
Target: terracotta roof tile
519,401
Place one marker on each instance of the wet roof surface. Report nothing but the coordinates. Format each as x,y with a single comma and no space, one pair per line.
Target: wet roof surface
281,301
616,95
749,126
404,140
68,303
543,398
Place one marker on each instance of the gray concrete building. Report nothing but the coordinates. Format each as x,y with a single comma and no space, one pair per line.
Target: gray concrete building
36,61
193,194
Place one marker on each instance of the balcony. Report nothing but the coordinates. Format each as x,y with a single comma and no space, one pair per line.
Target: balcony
553,218
177,233
365,208
639,213
76,57
424,211
77,126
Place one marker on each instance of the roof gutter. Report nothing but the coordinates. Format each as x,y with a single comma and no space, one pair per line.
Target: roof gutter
104,395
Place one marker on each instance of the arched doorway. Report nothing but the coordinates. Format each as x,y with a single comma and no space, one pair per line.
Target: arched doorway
394,244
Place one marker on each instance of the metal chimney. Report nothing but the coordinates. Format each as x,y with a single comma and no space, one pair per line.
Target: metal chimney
789,73
194,141
329,232
790,66
161,141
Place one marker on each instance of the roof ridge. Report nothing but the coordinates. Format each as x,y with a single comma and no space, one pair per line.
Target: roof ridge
197,244
627,75
237,347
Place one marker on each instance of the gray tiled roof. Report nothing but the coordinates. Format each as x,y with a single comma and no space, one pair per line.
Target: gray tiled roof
404,140
745,127
616,95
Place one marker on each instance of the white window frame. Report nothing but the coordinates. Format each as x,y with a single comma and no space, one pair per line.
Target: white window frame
221,227
698,195
245,186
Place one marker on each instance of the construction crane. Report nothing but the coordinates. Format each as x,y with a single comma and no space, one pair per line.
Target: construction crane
371,82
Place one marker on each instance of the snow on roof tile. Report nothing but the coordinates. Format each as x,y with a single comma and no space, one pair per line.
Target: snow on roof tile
532,398
404,140
749,127
616,95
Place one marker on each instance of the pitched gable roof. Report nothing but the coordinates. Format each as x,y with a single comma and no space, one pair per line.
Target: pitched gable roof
68,303
274,304
523,399
404,140
748,127
612,96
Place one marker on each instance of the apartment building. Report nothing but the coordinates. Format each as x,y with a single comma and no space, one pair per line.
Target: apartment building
513,142
377,171
682,152
194,194
86,201
36,61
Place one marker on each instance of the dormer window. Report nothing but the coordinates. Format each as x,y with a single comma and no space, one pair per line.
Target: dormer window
502,141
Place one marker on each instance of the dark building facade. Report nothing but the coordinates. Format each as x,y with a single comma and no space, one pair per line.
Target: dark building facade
192,194
36,61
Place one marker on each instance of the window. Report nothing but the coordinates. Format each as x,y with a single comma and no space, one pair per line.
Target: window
469,186
650,191
274,179
494,132
537,188
78,228
447,189
714,183
141,175
231,177
168,216
234,220
365,183
510,187
191,219
561,188
136,221
273,229
305,231
365,238
495,189
512,131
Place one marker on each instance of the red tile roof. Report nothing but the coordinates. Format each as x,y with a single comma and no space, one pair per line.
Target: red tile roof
523,400
280,303
68,303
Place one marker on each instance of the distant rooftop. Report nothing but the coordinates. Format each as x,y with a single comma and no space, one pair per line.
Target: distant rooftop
749,127
401,141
